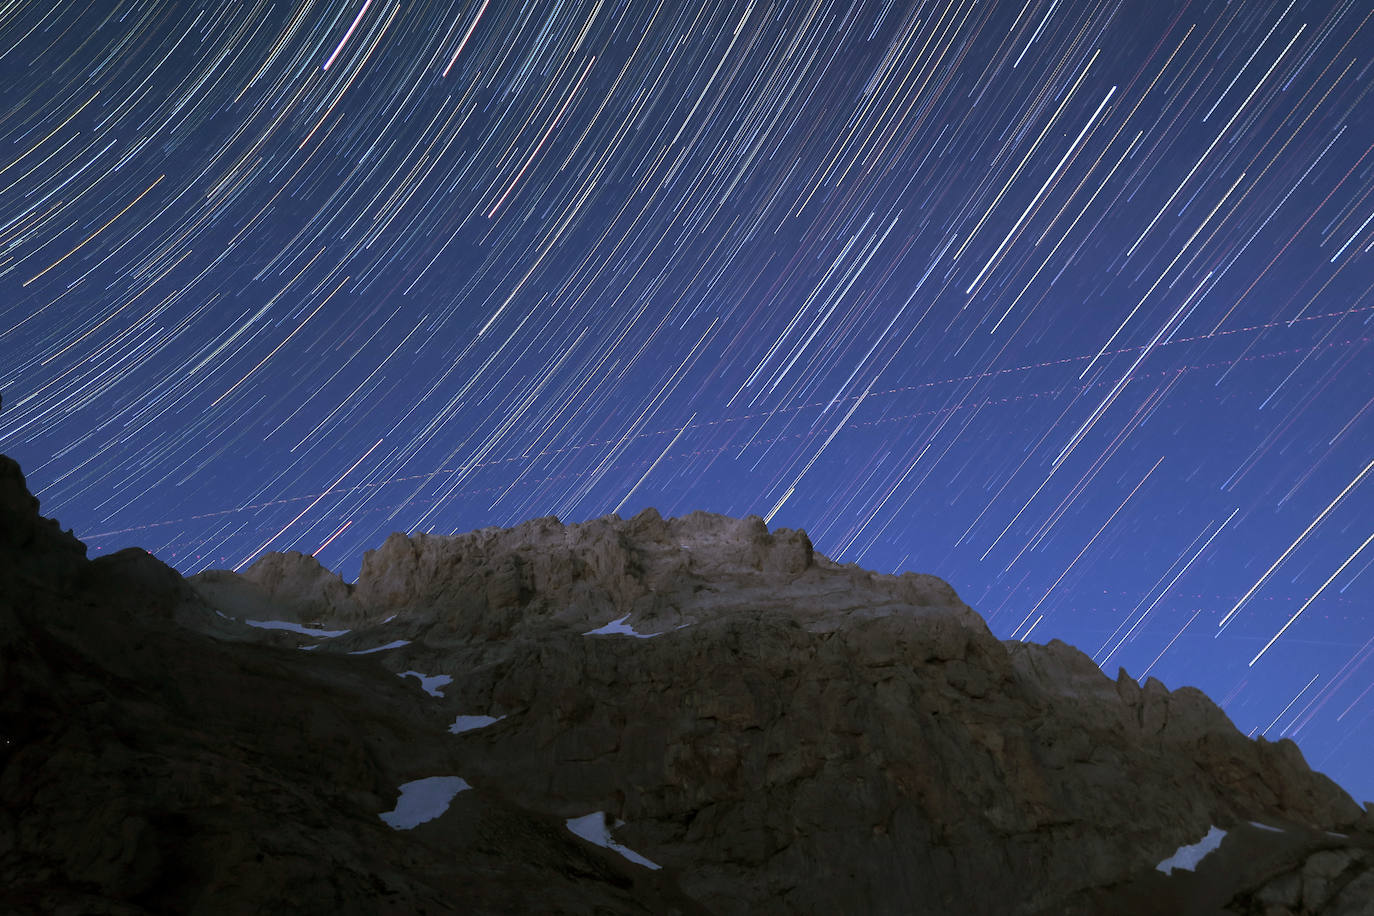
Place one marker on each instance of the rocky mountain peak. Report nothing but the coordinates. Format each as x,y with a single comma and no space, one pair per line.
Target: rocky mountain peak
625,715
616,561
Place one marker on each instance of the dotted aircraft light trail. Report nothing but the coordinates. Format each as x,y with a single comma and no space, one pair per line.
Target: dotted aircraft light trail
938,282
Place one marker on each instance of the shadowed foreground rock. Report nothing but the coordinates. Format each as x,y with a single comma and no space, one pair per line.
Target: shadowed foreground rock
738,724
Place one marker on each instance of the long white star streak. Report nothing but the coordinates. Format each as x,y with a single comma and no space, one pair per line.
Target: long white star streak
666,449
1167,646
824,445
1085,547
1291,547
1024,160
1296,697
1034,201
1167,328
253,555
472,27
534,154
1164,273
1159,597
1215,140
347,35
1334,683
1142,413
1321,588
232,388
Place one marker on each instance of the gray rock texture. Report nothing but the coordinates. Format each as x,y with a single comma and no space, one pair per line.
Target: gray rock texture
781,733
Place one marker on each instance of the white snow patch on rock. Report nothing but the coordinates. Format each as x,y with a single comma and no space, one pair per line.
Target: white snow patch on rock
468,723
1187,857
431,684
423,800
592,828
620,628
394,644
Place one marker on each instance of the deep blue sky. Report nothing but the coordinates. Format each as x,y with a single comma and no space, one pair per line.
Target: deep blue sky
1066,302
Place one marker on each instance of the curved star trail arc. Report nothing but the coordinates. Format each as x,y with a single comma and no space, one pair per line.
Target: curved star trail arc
1068,303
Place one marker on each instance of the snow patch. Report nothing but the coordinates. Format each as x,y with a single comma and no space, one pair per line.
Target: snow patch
621,628
1266,827
423,800
431,684
1187,857
592,828
394,644
294,628
468,723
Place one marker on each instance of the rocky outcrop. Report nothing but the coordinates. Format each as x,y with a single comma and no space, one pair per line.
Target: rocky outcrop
1330,881
589,569
147,767
785,701
762,730
281,586
51,550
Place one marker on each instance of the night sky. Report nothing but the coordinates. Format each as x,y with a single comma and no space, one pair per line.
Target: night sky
1067,302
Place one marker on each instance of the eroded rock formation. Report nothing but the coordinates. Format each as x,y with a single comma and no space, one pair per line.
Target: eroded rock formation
780,733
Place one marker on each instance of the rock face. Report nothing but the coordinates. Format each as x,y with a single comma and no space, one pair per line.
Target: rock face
156,757
779,733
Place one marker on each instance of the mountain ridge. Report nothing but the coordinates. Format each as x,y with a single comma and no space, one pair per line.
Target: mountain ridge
786,734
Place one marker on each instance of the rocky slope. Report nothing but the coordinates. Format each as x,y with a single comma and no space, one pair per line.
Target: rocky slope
738,724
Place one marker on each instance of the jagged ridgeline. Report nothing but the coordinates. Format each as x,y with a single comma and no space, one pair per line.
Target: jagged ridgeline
690,715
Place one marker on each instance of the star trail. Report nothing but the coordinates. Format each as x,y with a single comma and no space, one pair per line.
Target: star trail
1065,301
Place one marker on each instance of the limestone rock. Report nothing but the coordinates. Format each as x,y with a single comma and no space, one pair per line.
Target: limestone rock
782,733
146,767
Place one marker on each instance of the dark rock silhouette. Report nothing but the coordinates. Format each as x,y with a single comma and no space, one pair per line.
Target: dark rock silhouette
738,724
